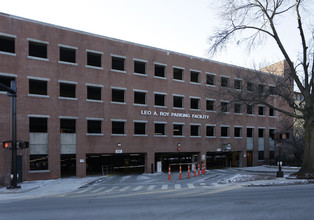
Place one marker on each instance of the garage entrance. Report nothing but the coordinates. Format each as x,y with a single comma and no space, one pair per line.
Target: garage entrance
167,159
222,159
68,165
98,164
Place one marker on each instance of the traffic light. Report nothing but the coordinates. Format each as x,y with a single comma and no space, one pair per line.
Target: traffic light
7,144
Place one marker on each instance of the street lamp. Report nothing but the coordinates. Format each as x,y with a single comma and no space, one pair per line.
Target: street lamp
280,137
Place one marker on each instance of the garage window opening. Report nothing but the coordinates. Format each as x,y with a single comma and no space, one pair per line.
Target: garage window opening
160,71
36,49
140,67
177,130
118,95
67,55
67,126
160,129
94,126
7,44
117,63
37,87
93,59
93,93
139,128
195,130
139,98
118,127
67,90
178,74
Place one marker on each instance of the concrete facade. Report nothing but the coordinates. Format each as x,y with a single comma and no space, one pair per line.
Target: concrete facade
118,99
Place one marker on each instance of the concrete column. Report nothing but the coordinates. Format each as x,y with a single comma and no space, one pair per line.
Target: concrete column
149,162
80,165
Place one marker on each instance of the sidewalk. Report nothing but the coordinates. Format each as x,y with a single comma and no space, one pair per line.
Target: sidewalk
33,189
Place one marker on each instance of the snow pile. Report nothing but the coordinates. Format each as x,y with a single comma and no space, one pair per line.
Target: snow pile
240,178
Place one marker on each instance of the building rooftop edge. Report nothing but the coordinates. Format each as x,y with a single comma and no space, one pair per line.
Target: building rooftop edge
127,42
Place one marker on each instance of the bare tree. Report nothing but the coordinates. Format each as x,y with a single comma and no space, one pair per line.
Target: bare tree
257,21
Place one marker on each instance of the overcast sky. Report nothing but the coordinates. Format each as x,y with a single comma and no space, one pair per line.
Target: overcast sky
177,25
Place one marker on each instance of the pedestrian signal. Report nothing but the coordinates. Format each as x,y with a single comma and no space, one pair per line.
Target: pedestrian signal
7,144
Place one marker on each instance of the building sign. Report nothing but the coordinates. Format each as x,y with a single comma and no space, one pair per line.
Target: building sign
174,114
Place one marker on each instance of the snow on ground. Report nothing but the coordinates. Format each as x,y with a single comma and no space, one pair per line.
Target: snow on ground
240,178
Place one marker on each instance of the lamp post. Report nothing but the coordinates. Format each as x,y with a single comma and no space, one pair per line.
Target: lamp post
280,137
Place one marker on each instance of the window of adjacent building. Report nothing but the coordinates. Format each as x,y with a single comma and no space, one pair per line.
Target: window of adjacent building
160,99
94,93
195,130
210,79
178,101
67,90
118,95
177,73
94,126
272,112
177,130
210,105
6,80
261,132
195,76
237,132
93,59
224,82
67,54
37,49
139,98
38,125
160,129
195,103
249,86
238,84
210,131
117,63
67,126
139,67
272,90
261,89
118,127
249,132
139,128
261,110
160,70
224,106
37,87
237,108
224,131
249,109
7,44
271,133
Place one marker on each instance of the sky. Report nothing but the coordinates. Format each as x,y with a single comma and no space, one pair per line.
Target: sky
176,25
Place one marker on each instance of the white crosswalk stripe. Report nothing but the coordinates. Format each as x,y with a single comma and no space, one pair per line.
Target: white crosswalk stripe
111,189
164,187
177,186
151,187
138,188
191,186
125,188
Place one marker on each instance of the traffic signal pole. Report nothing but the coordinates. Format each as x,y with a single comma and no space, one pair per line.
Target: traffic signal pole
12,93
13,176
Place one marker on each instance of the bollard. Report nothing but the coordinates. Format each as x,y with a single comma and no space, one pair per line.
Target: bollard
169,173
198,170
189,171
195,169
180,174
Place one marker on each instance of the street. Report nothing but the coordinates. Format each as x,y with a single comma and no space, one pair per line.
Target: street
154,197
287,202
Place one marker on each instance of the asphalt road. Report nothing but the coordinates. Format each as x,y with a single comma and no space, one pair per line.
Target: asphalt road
112,200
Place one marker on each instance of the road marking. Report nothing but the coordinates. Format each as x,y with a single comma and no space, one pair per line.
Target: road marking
151,187
164,187
97,190
138,188
203,184
111,189
124,188
177,186
191,186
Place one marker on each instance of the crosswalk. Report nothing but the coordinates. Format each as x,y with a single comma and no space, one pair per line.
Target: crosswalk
138,188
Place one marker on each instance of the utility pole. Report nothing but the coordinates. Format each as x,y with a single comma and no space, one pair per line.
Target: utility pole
12,93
